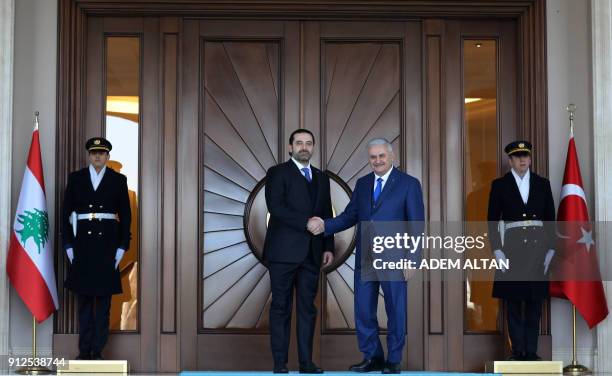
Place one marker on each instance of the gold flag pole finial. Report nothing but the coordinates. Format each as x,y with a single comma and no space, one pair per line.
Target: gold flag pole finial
571,108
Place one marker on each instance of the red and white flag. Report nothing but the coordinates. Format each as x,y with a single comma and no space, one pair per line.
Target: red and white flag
30,260
585,290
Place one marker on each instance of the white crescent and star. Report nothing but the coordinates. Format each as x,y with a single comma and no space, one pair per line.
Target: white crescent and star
587,239
576,190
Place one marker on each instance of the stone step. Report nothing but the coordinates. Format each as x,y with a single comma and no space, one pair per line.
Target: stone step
94,366
525,367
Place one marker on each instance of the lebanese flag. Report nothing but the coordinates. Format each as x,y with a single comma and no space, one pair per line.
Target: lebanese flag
30,260
579,257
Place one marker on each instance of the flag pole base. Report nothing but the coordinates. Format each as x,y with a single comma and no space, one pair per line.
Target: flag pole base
35,370
576,369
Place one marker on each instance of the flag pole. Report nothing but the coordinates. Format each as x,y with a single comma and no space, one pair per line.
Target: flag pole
574,368
33,369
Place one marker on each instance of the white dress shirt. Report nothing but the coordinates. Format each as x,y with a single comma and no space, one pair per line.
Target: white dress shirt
522,184
385,177
96,177
301,166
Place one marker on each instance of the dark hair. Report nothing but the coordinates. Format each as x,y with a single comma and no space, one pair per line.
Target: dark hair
301,130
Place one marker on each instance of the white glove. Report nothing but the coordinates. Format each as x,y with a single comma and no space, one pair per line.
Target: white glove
549,256
500,256
118,256
70,254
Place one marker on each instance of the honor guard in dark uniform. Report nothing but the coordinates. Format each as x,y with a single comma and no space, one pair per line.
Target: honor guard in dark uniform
95,233
521,214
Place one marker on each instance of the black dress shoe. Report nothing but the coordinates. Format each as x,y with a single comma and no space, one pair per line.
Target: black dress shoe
280,368
97,356
532,357
368,365
392,368
310,368
514,357
83,356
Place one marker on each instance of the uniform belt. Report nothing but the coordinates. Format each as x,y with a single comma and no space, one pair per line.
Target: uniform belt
91,216
74,218
529,223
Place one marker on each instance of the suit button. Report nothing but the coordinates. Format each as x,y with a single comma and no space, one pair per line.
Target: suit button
524,215
524,240
89,232
101,206
91,206
524,228
99,233
534,216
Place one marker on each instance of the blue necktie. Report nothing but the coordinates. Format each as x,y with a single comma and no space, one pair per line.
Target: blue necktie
378,189
306,172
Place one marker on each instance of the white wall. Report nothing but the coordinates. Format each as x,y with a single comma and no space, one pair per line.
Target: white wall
34,89
7,27
569,81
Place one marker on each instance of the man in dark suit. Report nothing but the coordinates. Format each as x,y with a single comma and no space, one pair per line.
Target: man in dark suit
523,201
295,192
95,234
386,194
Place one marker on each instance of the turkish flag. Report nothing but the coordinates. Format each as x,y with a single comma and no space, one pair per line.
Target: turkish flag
578,257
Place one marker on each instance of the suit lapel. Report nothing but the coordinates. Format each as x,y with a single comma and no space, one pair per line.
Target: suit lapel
297,174
105,177
369,182
87,178
389,186
532,182
515,189
316,179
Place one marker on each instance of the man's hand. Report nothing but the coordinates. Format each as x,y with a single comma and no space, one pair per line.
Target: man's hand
328,258
501,256
549,256
70,254
316,225
118,257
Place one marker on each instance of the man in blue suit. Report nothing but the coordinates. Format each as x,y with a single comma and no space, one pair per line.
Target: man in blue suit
386,194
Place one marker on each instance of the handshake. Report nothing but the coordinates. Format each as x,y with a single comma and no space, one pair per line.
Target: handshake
316,225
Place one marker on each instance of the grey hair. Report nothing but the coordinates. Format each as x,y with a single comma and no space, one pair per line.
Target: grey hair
380,141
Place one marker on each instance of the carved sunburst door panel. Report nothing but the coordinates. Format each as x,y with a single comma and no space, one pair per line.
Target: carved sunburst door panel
362,94
241,127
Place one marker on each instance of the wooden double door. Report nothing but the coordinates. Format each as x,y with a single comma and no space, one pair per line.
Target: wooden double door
216,102
347,82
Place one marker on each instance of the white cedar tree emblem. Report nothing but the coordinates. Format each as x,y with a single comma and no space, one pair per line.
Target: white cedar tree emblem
35,225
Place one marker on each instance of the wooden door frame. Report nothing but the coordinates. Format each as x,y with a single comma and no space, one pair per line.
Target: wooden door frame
72,126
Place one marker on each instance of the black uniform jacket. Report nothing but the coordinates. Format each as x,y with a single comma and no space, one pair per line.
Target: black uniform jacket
525,247
291,202
92,271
